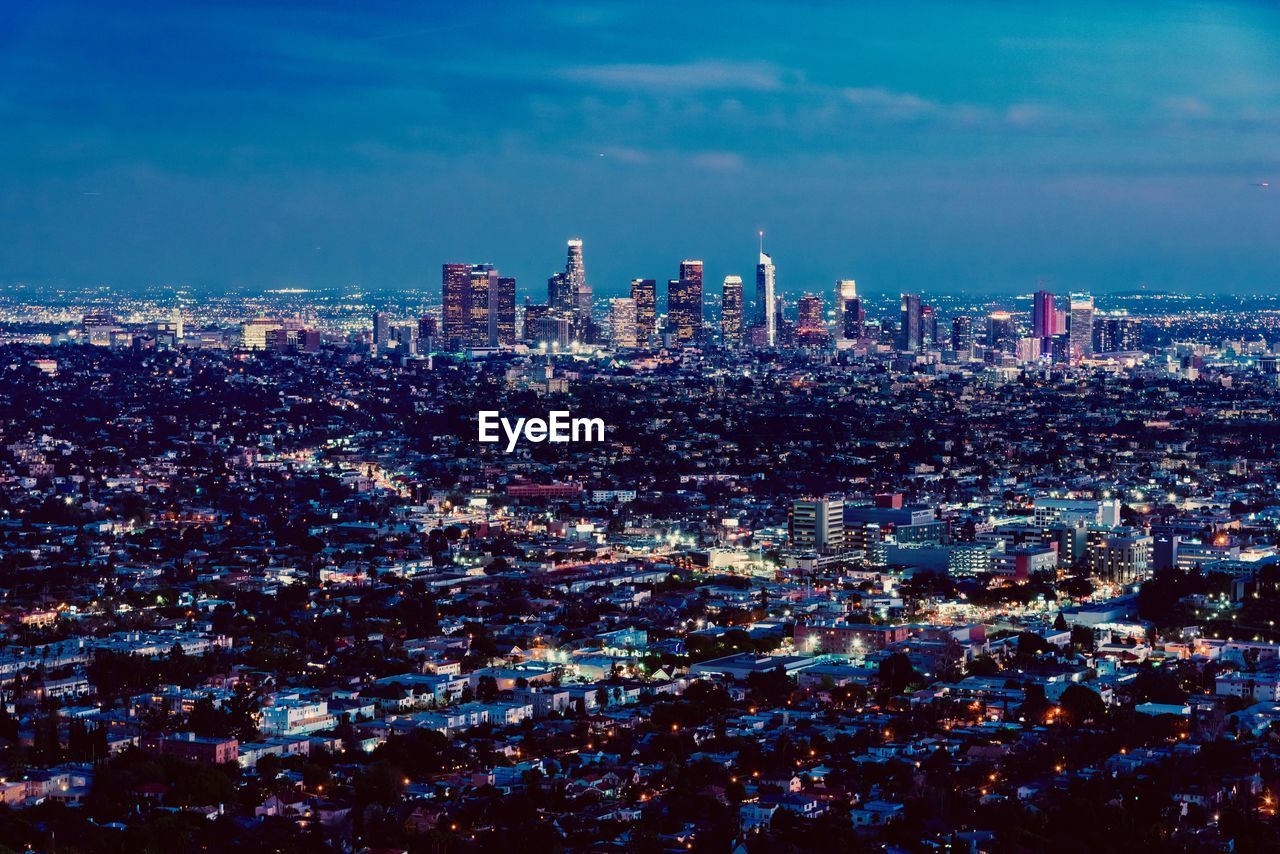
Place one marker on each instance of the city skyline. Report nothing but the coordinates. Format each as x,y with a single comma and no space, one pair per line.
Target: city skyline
981,148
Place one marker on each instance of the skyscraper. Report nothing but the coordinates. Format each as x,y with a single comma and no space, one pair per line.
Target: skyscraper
533,313
575,271
961,333
765,297
684,304
855,319
559,294
1116,332
1080,328
502,312
731,300
1130,335
484,280
381,331
456,298
846,290
809,314
909,331
426,330
928,327
1001,333
645,294
1043,315
622,322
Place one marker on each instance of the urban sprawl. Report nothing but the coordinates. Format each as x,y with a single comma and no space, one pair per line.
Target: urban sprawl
843,574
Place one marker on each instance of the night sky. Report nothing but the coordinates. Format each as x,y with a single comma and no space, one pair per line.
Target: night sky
933,147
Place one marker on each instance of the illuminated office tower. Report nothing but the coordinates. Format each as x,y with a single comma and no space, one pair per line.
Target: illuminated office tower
846,290
928,327
1120,555
645,294
426,331
766,317
502,312
559,294
1129,337
575,271
1001,333
1116,332
855,320
1044,315
381,331
731,306
809,314
484,280
622,322
909,331
817,524
684,304
533,312
961,333
456,298
1080,327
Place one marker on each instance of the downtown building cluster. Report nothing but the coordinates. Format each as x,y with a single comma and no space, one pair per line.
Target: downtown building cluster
268,589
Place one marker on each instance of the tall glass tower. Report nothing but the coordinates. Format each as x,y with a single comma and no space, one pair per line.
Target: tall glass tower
765,297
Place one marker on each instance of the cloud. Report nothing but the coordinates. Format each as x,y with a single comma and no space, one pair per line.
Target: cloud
891,104
703,76
1187,107
718,161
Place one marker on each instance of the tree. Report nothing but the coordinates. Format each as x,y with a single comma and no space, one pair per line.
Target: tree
1082,705
379,783
897,673
1082,637
268,767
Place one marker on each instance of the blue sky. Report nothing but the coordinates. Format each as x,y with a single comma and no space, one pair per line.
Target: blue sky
926,146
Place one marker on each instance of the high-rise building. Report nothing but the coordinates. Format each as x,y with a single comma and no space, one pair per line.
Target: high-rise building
1080,329
1129,337
456,297
961,333
575,270
426,330
622,322
1043,315
381,331
928,327
766,316
817,524
502,312
855,319
1001,332
552,330
1121,555
684,304
533,312
559,294
809,314
909,331
731,307
1116,333
484,280
645,294
846,290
